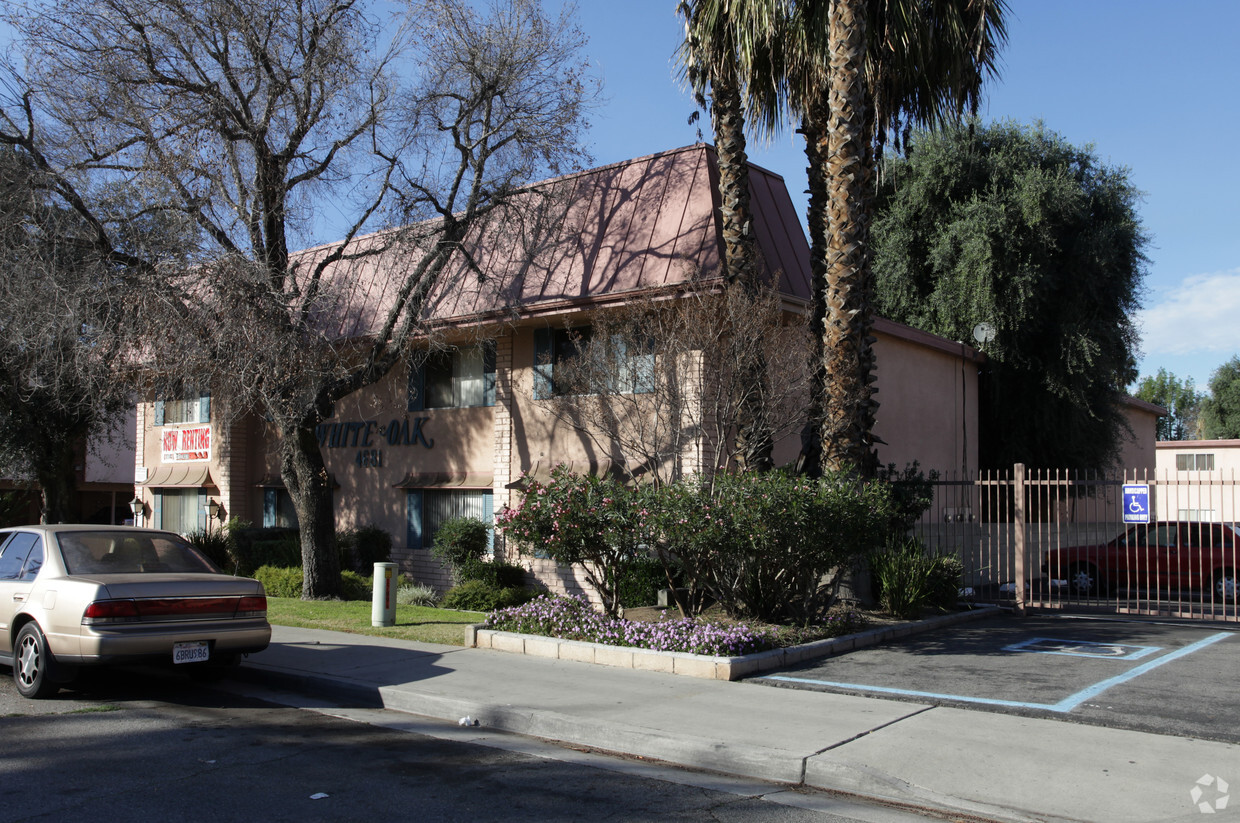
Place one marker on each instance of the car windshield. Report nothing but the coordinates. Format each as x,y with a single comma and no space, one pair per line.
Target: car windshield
111,552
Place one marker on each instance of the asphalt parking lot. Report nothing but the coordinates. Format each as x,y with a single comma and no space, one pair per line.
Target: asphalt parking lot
1170,678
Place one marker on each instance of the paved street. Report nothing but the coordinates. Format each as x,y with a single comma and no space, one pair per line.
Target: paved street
156,747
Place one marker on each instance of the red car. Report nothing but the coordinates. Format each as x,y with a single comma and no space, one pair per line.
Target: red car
1170,555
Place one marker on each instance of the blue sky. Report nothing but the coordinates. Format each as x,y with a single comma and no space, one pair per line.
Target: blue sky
1153,86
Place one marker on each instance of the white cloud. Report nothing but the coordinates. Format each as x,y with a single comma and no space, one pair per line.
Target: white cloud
1201,315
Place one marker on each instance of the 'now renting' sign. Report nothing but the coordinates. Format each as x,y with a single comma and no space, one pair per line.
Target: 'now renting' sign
192,445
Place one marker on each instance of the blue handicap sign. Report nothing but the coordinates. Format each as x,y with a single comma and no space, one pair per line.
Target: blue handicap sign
1136,503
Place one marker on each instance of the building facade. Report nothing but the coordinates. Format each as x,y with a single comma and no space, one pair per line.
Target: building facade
452,432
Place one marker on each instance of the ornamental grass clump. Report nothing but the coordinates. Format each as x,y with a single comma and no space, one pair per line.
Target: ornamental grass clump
572,618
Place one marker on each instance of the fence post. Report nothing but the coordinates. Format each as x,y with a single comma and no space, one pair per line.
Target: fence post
1018,513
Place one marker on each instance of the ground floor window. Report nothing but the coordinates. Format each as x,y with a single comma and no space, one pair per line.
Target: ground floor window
427,509
278,511
181,510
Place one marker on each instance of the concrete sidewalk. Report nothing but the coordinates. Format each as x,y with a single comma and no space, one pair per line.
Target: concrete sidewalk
998,766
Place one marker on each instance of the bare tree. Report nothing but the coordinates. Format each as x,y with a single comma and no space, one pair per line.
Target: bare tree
59,336
268,123
663,386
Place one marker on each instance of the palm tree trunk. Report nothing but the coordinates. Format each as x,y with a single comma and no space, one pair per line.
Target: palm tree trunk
844,146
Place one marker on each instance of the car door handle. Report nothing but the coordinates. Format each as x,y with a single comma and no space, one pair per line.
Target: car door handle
19,598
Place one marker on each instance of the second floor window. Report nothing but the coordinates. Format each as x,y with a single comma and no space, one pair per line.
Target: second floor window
454,379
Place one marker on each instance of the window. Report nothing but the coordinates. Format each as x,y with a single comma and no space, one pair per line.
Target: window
1196,515
21,556
278,511
180,510
173,412
454,379
1194,462
427,509
629,366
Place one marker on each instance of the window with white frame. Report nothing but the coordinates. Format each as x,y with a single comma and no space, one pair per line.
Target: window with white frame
428,509
188,410
456,378
1194,462
623,366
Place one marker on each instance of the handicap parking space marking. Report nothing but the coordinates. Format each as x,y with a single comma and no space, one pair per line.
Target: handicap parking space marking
1063,706
1082,648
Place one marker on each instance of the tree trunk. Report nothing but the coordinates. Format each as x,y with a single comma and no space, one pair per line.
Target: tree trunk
57,478
740,259
310,486
848,360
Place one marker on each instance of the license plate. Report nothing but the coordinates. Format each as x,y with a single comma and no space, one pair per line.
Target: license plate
198,651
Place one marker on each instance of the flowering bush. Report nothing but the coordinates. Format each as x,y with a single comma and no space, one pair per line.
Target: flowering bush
772,547
572,618
576,519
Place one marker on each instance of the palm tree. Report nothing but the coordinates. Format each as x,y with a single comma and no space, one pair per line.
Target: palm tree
856,70
850,72
721,37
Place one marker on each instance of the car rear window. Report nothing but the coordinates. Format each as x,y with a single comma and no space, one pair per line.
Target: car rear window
131,553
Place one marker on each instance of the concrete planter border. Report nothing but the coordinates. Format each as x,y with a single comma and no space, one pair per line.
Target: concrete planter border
699,665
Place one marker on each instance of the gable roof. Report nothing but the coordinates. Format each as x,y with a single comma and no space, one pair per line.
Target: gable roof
604,234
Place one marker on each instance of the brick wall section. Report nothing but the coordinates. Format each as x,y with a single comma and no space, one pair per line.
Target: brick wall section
503,431
232,468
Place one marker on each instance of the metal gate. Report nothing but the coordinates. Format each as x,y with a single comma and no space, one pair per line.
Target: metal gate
1141,543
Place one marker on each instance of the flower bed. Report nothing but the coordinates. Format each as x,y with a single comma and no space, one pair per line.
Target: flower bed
572,618
569,629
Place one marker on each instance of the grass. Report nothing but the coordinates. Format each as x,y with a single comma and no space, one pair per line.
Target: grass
417,623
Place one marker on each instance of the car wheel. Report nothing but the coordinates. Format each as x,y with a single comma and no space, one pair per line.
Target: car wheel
32,664
1225,585
1083,579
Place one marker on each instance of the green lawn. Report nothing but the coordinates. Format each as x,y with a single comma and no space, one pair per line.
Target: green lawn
418,623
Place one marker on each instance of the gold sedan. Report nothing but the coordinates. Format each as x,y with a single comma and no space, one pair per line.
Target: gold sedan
73,596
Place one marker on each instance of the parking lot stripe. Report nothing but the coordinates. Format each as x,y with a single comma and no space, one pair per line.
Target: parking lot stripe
1063,706
1070,703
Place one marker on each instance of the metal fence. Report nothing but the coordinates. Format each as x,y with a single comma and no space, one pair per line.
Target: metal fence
1060,540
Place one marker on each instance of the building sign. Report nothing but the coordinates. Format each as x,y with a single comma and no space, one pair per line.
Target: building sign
367,436
1136,503
192,445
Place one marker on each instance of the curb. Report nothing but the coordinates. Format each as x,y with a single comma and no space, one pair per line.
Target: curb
705,666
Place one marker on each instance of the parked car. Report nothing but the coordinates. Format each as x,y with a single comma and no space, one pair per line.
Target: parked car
1169,555
73,596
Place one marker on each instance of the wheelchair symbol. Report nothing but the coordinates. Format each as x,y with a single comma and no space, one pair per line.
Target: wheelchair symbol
1134,506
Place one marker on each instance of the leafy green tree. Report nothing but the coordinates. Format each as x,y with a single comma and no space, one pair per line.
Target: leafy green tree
1181,400
1220,412
1013,226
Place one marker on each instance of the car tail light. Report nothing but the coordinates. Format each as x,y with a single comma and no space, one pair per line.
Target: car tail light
255,606
111,611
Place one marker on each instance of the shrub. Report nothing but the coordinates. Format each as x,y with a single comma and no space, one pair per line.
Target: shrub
594,522
280,581
286,581
360,549
354,586
772,547
496,573
416,595
908,580
459,542
640,582
478,596
216,545
254,548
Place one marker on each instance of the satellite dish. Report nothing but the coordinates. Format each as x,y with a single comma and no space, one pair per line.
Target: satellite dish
983,333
